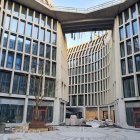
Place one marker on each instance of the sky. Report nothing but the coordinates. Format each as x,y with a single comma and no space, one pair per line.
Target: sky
84,37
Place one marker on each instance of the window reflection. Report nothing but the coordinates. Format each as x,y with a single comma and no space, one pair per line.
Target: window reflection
133,12
12,42
120,19
43,20
53,69
3,58
54,39
35,34
121,34
16,10
136,44
123,67
20,44
5,40
14,25
135,28
9,9
41,66
26,63
41,50
42,34
27,46
18,62
34,65
23,12
10,60
129,48
128,31
30,16
48,49
47,68
53,53
36,18
28,30
130,65
35,47
48,23
126,16
137,62
7,24
48,37
21,27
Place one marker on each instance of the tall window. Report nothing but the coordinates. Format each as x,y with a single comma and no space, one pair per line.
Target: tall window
10,60
27,46
30,16
43,18
34,65
123,67
35,34
53,53
48,51
129,48
5,40
133,12
20,44
126,15
9,9
48,37
3,58
41,50
54,38
12,42
28,30
135,27
53,69
139,83
128,87
48,23
128,34
18,62
20,84
130,65
36,18
47,68
14,24
42,34
137,62
120,19
55,25
21,27
23,12
5,79
7,24
121,34
34,49
16,10
136,44
26,63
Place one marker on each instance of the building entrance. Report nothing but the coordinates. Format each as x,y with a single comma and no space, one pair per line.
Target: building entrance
137,119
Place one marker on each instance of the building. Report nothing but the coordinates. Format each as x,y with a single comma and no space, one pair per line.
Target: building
30,40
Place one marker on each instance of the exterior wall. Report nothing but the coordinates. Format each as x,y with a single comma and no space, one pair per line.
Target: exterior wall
17,88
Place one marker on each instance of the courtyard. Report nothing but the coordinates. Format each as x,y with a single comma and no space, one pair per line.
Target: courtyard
76,133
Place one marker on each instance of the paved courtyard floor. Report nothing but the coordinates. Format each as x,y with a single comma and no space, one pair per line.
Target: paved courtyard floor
76,133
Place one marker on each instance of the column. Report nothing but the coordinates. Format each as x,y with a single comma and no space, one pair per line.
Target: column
109,113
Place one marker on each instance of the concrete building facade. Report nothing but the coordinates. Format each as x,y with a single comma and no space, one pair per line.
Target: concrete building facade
31,42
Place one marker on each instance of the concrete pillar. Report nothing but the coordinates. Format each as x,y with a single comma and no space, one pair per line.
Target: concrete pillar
25,111
84,112
65,112
98,112
109,117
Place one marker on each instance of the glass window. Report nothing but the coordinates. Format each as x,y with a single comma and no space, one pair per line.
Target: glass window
48,37
128,87
5,40
130,65
49,88
12,42
139,83
5,79
7,24
123,67
137,62
136,44
34,65
128,46
55,25
42,34
35,34
53,69
41,50
10,60
133,12
48,50
49,23
54,38
120,19
18,62
9,9
36,18
43,18
121,34
126,15
122,50
128,34
20,44
21,27
41,67
30,16
23,12
14,25
53,53
3,58
19,84
35,48
16,10
47,68
27,46
28,30
26,63
135,27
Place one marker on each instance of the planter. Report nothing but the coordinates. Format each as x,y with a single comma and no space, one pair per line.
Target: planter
2,127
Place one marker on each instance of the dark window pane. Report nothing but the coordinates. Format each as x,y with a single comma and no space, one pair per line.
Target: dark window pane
126,15
34,49
54,69
7,24
19,84
130,65
121,34
20,44
48,50
23,12
35,34
48,23
139,83
136,44
36,18
14,25
54,39
30,16
53,53
18,62
41,67
27,46
10,60
43,20
26,63
42,34
128,87
21,27
128,34
12,42
48,37
122,50
41,50
137,62
5,79
47,68
3,58
28,30
123,67
55,25
120,19
5,40
129,48
135,28
9,9
16,10
34,65
133,12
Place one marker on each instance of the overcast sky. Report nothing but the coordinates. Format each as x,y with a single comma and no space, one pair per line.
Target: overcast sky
84,37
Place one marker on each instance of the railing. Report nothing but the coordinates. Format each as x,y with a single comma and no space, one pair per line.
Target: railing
88,10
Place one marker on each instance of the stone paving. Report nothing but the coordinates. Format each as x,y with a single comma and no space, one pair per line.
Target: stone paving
76,133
